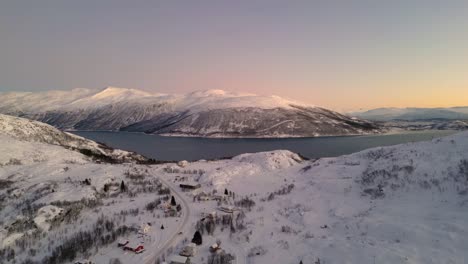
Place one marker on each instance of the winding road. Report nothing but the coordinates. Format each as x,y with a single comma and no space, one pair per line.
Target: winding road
158,252
239,252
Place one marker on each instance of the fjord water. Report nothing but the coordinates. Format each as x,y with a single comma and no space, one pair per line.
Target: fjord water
191,148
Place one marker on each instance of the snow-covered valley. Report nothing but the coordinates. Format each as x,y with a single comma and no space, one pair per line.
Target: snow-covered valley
399,204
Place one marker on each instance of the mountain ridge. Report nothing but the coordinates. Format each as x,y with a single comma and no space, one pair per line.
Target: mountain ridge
413,113
208,113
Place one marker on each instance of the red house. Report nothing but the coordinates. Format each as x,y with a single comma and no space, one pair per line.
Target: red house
135,248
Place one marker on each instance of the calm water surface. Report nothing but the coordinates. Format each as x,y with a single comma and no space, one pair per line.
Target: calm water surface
180,148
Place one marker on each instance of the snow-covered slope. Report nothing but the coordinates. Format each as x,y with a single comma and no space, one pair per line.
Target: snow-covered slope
211,113
399,204
33,131
28,102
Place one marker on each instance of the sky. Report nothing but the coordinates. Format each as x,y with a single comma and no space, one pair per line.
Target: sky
344,55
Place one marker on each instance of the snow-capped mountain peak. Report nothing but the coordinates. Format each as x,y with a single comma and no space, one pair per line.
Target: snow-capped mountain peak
121,93
210,92
110,95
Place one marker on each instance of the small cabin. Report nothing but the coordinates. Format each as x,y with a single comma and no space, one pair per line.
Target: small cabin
215,247
227,209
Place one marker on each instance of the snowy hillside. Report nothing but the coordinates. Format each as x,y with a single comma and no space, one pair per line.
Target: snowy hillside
211,113
399,204
395,125
32,131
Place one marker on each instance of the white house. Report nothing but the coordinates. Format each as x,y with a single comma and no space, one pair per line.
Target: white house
179,260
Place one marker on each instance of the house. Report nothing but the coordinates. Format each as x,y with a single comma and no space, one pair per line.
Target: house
189,186
137,248
165,206
179,260
227,209
189,251
182,163
145,228
215,247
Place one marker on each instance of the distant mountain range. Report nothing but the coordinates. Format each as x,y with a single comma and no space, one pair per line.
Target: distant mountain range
414,114
210,113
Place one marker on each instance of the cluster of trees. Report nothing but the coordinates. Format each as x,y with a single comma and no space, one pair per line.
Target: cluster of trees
72,210
87,181
463,169
21,225
132,212
26,205
13,161
99,157
147,187
283,191
164,191
177,170
135,174
245,202
369,177
220,257
103,233
4,184
151,206
374,193
209,224
7,253
378,153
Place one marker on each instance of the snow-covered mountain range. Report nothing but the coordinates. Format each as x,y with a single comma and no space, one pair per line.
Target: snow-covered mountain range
211,113
413,114
400,204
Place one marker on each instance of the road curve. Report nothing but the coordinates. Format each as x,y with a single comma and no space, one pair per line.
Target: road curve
239,252
151,259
